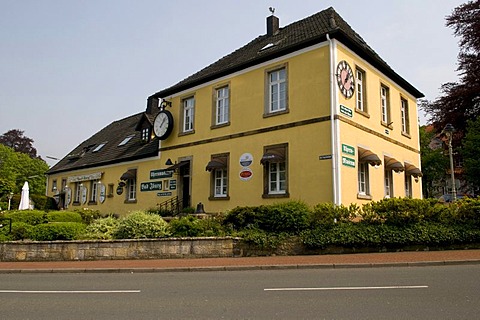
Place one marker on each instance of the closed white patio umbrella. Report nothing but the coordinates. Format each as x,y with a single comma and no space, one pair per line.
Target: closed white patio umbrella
25,199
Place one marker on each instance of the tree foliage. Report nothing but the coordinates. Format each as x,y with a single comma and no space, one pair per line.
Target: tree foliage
471,153
17,141
434,162
16,168
461,100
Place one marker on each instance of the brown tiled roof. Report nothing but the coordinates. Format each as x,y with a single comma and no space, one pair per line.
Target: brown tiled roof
83,156
298,35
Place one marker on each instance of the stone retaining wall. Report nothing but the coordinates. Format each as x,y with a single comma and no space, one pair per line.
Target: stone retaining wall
118,249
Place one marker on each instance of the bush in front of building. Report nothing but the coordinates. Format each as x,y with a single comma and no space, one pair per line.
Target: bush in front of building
64,216
32,217
58,231
191,226
102,228
88,215
42,202
284,217
141,225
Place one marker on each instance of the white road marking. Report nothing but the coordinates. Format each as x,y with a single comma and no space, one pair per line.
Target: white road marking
345,288
71,291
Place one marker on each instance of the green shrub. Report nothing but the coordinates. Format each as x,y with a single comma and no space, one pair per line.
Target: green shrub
191,226
57,231
64,216
103,228
240,218
290,217
467,211
32,217
42,202
140,225
21,231
325,214
263,240
88,215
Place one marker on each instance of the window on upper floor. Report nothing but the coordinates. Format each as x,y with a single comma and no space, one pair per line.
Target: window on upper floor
99,147
385,105
275,173
405,116
276,91
126,140
54,185
188,113
361,102
222,105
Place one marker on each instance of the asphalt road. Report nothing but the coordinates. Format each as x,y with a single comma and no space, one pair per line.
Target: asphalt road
431,292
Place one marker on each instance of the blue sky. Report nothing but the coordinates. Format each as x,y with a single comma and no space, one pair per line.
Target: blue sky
69,68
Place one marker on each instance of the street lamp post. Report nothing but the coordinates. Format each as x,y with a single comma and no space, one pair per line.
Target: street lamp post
448,131
10,196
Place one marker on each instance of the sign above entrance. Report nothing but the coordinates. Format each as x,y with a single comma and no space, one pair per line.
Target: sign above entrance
161,173
85,177
151,186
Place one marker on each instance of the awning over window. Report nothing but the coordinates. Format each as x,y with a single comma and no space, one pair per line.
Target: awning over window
393,164
178,165
273,155
369,157
129,174
217,163
412,170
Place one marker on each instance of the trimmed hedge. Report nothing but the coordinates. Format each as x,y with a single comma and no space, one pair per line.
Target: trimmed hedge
64,216
141,225
57,231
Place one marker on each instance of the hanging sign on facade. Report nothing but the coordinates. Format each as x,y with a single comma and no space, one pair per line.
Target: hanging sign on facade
173,185
83,194
164,194
348,149
245,174
246,159
349,162
85,177
103,190
151,186
160,174
346,111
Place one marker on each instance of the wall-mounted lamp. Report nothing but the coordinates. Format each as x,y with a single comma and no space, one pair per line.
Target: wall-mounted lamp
164,103
169,162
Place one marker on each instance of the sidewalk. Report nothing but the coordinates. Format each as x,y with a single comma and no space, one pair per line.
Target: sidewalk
360,260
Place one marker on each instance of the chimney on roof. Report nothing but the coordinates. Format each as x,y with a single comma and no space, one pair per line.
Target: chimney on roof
152,105
273,24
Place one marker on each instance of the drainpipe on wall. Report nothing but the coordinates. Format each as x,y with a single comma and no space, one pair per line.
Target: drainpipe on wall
334,126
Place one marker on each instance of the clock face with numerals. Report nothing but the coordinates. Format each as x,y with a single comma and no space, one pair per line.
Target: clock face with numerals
163,124
345,79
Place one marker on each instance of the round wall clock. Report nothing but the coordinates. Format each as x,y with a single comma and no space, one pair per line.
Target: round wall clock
345,79
163,124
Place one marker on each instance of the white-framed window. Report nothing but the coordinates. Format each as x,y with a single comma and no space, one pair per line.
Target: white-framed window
408,185
277,90
360,92
78,192
404,116
131,189
363,179
221,183
277,178
388,183
385,105
222,105
188,114
54,185
93,190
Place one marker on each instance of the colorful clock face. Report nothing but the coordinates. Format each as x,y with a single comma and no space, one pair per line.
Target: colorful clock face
163,124
345,79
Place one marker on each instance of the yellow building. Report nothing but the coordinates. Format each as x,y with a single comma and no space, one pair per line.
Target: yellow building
305,112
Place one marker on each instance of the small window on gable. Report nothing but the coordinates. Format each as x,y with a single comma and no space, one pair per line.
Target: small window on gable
146,134
99,147
125,141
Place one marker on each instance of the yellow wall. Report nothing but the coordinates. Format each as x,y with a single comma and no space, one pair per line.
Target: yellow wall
368,132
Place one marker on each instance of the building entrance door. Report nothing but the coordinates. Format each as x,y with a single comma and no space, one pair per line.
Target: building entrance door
185,187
